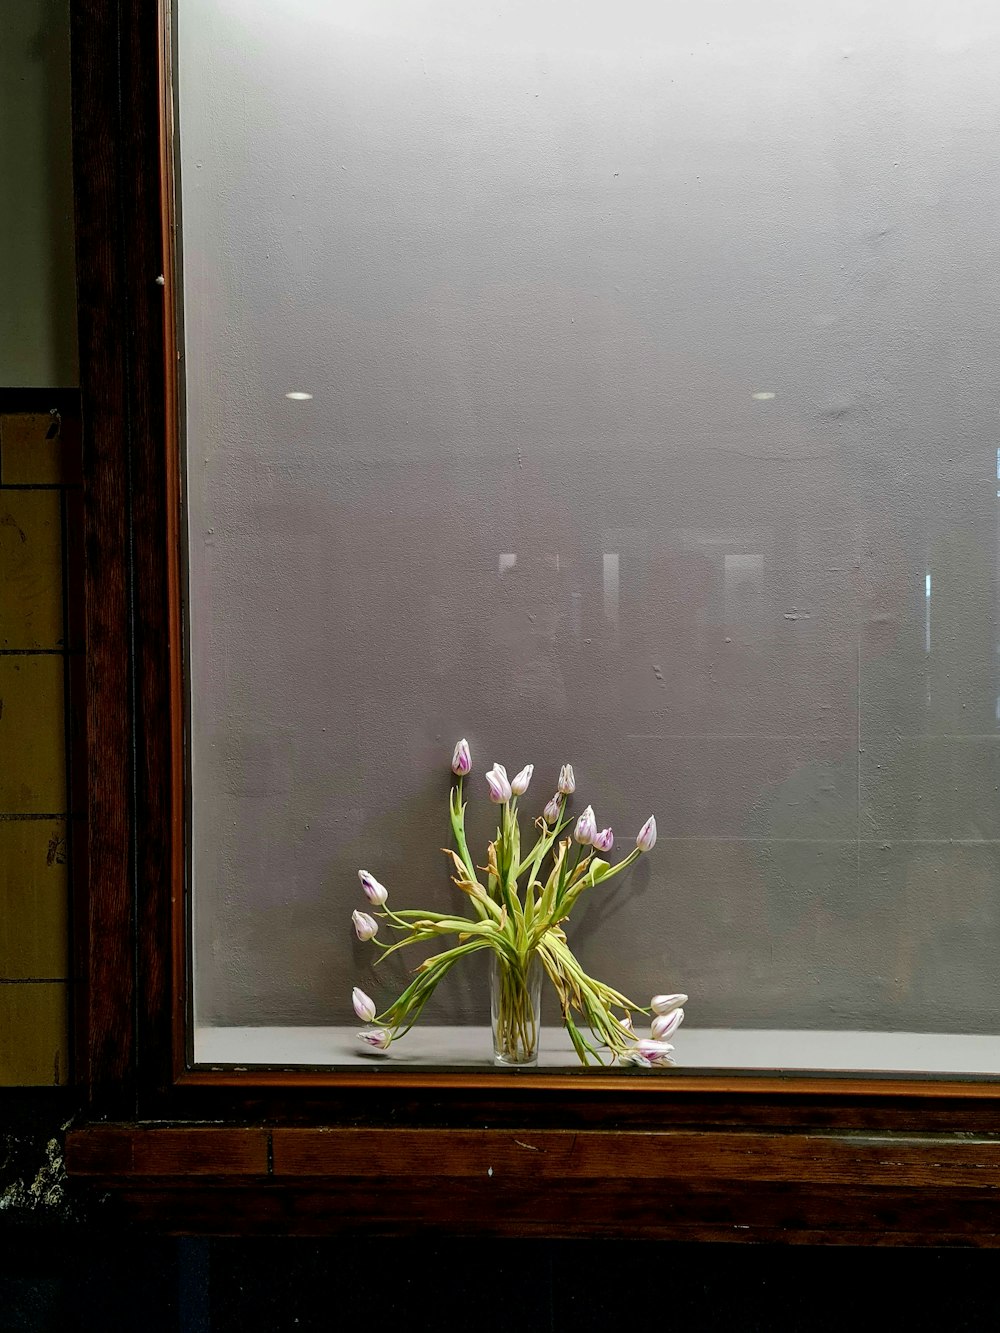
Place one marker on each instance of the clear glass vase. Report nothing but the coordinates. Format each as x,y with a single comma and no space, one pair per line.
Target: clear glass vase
515,1010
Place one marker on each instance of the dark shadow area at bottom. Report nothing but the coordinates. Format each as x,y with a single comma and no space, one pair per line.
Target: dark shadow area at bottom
66,1281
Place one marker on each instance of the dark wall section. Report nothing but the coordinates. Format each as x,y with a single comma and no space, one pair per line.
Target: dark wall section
78,1280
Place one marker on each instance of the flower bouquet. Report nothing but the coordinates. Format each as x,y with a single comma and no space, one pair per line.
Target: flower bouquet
519,902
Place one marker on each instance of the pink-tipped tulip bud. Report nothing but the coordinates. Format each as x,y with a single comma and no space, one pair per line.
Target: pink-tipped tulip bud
634,1057
646,840
461,760
364,1005
551,812
374,891
519,784
666,1004
365,926
586,828
604,841
567,782
496,779
665,1025
377,1037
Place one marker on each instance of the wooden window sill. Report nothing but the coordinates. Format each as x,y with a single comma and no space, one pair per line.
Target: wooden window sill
846,1186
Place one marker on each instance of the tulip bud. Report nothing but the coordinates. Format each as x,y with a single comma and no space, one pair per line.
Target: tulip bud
551,812
364,1005
377,1037
519,784
374,891
604,841
647,836
653,1050
634,1057
666,1004
567,782
461,760
665,1025
586,828
665,1060
496,778
366,927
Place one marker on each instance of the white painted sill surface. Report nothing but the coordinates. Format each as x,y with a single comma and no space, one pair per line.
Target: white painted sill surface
918,1053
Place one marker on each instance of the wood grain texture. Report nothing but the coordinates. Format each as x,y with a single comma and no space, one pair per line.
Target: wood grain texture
181,1152
486,1208
105,938
856,1159
155,471
128,368
849,1189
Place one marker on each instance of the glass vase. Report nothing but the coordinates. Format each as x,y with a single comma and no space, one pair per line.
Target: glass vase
515,1010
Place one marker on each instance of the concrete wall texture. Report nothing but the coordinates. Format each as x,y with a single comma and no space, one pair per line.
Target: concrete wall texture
653,426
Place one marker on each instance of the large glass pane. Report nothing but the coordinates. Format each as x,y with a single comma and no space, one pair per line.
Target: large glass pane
614,384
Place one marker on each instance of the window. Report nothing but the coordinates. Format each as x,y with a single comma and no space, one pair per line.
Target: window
735,587
589,389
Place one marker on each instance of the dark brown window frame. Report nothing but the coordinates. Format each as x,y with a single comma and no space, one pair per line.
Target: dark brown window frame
729,1155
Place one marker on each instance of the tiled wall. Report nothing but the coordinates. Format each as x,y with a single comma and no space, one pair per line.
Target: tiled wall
40,655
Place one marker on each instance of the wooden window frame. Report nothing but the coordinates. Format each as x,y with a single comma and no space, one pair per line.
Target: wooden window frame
732,1156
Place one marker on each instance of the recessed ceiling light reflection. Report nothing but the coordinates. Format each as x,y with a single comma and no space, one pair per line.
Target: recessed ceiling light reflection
764,395
297,397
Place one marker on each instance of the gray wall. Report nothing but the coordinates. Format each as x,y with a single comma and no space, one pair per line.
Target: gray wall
37,283
538,267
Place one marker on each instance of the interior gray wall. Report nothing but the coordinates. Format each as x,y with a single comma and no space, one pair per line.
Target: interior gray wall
37,281
536,264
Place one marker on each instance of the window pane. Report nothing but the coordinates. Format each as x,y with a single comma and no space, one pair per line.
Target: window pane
606,384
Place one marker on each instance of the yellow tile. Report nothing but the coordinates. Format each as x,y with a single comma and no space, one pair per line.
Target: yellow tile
32,741
28,456
30,570
34,1034
34,919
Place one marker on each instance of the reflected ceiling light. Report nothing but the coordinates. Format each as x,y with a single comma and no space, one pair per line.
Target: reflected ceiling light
297,397
763,395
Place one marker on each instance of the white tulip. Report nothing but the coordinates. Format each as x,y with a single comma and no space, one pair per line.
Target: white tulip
365,926
647,836
377,1037
586,827
374,891
496,778
665,1025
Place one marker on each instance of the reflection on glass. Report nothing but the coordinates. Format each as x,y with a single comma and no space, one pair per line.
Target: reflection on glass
611,589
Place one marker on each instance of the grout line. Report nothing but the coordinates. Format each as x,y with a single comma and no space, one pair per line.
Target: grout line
33,981
738,736
62,814
847,841
41,652
41,486
816,736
